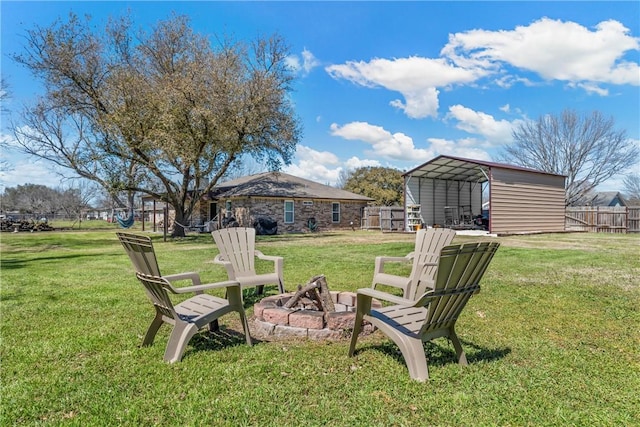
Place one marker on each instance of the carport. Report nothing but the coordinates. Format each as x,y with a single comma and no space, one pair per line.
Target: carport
449,192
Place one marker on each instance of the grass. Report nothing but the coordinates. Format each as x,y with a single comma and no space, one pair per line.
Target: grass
552,339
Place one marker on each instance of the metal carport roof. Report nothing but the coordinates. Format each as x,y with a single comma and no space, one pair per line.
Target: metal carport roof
451,168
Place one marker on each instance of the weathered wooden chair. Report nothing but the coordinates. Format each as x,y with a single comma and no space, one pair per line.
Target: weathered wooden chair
433,314
238,253
189,316
427,248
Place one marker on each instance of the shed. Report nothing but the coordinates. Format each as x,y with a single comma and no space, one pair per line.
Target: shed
449,192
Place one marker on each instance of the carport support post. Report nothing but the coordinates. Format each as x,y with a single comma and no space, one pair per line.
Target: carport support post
165,227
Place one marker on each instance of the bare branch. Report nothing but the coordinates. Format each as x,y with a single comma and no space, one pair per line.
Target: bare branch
587,149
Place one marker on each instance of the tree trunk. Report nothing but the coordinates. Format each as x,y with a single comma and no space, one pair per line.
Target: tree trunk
179,224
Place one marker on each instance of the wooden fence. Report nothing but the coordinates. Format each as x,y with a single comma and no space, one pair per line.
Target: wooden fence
598,219
385,218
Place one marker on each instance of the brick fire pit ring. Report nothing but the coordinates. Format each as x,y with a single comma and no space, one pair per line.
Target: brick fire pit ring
273,320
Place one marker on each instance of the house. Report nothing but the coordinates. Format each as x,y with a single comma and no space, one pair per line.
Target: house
607,198
449,192
295,204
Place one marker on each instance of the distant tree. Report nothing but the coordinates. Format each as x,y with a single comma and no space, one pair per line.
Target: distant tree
383,184
75,200
40,200
30,199
160,113
631,188
585,148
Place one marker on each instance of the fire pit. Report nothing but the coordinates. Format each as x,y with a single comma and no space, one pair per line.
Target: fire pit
312,312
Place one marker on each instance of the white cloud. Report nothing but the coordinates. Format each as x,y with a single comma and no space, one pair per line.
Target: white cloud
293,62
29,172
309,62
555,50
467,148
496,132
355,163
416,78
320,166
397,146
305,62
323,166
308,154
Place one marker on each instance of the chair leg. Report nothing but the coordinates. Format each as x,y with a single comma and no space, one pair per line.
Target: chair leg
153,329
416,360
214,326
180,336
462,357
363,305
281,286
259,289
412,351
245,326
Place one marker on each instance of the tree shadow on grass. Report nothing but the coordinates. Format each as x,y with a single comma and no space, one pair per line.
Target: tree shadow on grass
441,352
13,264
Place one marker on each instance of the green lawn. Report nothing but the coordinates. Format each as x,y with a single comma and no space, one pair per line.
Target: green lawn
552,339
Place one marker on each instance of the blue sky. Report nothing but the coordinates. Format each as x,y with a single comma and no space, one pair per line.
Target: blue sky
396,83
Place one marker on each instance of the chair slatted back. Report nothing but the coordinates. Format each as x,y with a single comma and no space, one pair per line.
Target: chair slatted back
460,269
141,253
429,243
237,246
157,292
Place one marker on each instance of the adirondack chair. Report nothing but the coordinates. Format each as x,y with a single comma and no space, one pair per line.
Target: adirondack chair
427,248
238,254
433,314
192,314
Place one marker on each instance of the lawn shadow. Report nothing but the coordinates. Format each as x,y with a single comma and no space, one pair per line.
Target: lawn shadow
13,264
218,340
441,352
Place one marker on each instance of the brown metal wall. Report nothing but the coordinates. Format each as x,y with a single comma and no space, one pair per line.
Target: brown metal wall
524,202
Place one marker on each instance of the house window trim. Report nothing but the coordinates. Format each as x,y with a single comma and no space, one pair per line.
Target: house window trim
292,211
333,212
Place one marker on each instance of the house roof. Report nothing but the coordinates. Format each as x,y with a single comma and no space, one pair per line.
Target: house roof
279,184
607,198
461,169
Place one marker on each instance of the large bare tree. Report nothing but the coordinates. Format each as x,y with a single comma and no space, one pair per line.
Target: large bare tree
165,113
631,189
586,148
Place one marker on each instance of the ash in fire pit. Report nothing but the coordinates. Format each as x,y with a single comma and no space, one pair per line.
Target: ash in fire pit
311,312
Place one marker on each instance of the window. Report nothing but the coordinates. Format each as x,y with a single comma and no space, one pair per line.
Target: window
288,212
335,212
